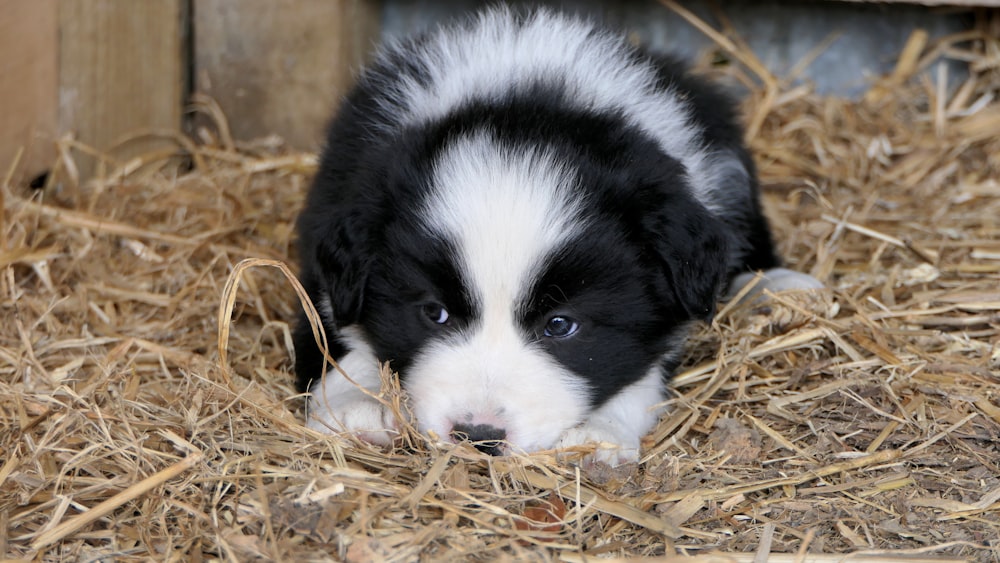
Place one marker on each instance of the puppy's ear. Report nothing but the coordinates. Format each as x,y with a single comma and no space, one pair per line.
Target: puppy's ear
343,255
693,249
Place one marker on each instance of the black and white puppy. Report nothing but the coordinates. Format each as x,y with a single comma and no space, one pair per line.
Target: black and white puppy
523,213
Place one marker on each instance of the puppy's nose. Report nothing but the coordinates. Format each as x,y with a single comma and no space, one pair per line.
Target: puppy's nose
484,437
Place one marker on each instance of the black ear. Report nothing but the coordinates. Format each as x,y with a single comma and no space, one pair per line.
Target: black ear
693,248
340,254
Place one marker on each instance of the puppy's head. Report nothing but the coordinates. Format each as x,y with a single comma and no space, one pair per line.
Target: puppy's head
516,287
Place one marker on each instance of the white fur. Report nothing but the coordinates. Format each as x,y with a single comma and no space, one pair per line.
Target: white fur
506,211
618,425
338,405
773,280
500,56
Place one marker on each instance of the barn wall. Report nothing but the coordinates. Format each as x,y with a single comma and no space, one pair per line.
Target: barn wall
279,66
104,70
121,74
116,75
28,82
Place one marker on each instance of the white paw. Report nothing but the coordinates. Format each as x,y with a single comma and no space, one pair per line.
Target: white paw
773,280
365,418
612,446
783,279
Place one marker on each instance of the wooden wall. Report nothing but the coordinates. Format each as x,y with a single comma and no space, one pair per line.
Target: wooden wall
121,73
28,81
279,66
105,70
112,70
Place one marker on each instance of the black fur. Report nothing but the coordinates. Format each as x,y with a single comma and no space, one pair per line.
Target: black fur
651,260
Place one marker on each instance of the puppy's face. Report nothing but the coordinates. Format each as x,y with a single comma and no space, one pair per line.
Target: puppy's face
520,291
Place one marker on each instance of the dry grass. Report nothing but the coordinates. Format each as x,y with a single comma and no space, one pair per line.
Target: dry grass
865,420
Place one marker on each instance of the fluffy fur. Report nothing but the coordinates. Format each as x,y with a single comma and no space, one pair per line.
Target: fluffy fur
522,213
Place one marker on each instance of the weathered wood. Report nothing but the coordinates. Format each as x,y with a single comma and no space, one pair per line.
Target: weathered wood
122,70
280,66
28,74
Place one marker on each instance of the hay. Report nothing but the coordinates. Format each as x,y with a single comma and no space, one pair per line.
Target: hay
865,420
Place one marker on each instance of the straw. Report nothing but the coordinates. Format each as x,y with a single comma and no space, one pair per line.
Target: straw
147,405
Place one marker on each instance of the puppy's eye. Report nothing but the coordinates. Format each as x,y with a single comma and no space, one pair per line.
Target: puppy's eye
561,327
436,313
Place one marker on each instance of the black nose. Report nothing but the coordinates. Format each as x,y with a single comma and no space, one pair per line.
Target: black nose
484,437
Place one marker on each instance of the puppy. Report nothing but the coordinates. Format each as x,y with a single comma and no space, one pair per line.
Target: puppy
522,213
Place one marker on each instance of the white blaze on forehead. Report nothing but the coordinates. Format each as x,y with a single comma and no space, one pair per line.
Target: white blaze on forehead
505,210
498,55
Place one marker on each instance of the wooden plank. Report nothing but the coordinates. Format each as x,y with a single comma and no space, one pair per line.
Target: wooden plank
121,71
29,44
279,66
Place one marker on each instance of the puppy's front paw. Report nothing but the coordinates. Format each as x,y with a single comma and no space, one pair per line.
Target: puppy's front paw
364,417
774,280
612,446
783,279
